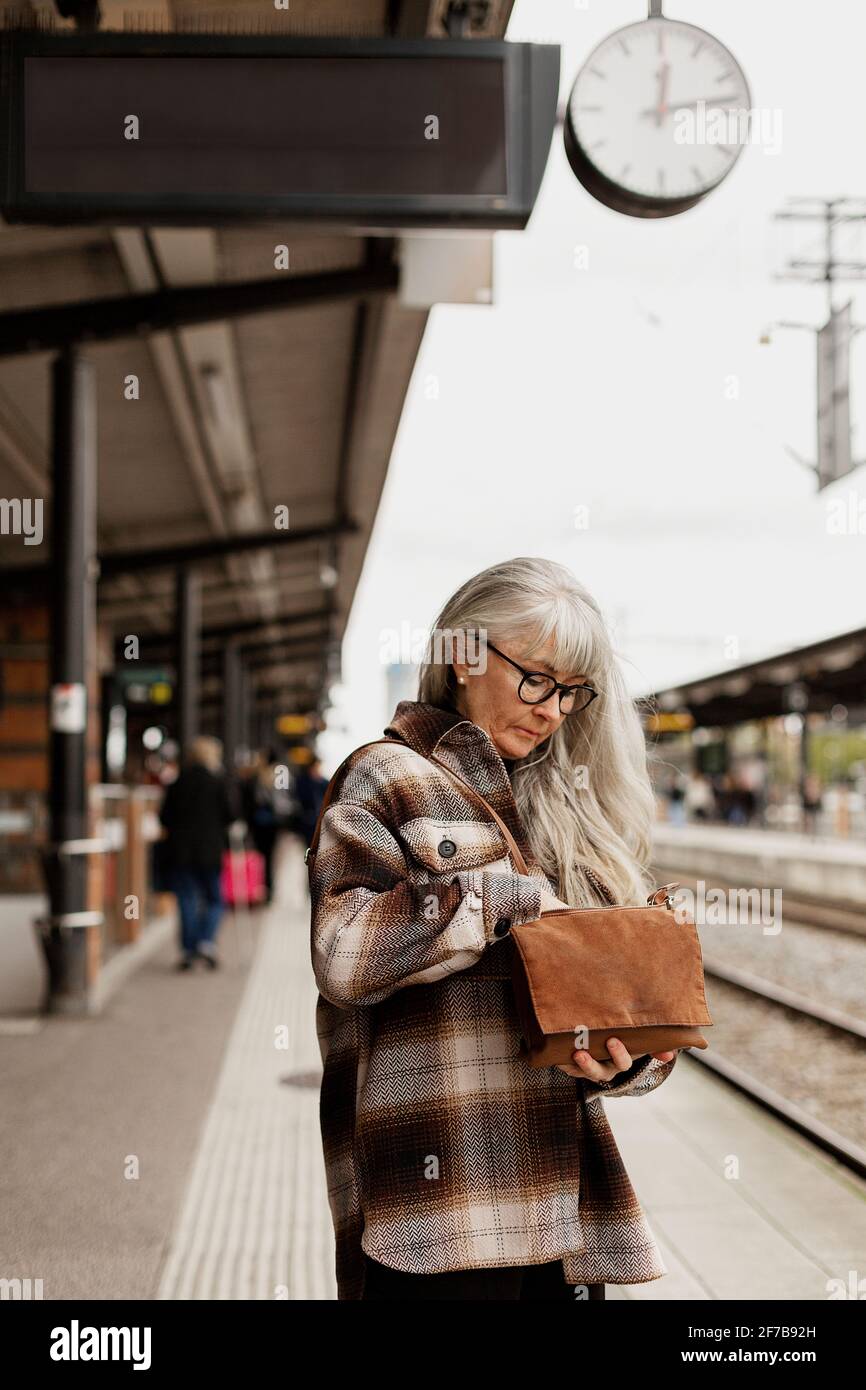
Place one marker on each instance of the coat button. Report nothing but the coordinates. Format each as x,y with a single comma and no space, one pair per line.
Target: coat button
502,928
447,848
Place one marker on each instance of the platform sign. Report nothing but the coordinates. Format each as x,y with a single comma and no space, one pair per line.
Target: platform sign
294,725
670,722
712,758
201,129
145,685
69,708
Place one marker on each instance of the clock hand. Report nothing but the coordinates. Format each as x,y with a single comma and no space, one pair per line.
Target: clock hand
661,104
724,102
709,101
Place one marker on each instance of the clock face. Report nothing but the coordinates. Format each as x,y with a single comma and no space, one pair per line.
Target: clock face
653,111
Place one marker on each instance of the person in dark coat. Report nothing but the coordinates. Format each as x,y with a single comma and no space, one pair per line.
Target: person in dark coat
309,789
196,813
260,802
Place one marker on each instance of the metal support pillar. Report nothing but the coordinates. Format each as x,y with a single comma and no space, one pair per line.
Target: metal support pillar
247,705
231,674
188,610
73,598
266,734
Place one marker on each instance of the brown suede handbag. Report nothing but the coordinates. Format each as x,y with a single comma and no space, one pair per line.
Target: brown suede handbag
584,974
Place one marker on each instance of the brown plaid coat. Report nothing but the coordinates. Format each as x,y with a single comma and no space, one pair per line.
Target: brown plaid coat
443,1149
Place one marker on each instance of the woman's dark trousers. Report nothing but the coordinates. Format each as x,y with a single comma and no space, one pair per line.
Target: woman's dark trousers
518,1283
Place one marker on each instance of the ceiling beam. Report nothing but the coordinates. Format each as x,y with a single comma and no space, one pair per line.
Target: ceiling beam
168,557
225,631
54,326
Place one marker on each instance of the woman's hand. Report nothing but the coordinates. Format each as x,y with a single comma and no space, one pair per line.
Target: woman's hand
587,1067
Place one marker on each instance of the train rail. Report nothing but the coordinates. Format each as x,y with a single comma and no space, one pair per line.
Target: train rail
798,908
844,1148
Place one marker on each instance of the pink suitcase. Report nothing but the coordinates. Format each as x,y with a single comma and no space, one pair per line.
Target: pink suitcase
243,877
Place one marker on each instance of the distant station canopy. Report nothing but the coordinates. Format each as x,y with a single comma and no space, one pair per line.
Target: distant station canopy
204,129
814,678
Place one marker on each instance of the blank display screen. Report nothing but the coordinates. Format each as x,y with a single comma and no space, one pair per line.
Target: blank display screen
265,126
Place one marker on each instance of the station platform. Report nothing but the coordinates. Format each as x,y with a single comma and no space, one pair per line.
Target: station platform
169,1148
818,866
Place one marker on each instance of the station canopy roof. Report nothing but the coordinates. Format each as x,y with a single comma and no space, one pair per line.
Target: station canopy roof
296,407
812,678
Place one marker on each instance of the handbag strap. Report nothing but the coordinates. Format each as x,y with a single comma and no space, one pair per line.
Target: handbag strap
516,854
509,838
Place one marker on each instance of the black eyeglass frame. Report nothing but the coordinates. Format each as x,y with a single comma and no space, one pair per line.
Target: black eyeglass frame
558,687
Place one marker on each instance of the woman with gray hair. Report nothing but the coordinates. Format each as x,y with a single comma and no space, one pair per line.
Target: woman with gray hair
455,1170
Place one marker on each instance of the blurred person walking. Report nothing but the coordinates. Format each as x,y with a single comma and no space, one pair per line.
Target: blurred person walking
723,790
699,799
263,810
676,794
196,813
310,787
813,802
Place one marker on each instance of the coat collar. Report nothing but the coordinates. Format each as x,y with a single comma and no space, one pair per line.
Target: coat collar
467,749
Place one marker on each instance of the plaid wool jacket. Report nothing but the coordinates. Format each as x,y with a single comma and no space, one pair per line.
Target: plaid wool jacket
443,1149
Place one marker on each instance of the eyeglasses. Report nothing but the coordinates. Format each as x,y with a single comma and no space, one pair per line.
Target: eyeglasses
535,687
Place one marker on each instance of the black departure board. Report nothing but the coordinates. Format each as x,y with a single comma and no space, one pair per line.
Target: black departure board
194,128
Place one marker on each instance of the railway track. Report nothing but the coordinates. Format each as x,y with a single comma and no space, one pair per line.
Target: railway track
798,909
842,1147
774,993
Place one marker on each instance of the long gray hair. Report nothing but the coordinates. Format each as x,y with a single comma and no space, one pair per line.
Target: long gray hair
587,801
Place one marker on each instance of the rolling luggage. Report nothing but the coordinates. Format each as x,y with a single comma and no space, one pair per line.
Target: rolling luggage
243,877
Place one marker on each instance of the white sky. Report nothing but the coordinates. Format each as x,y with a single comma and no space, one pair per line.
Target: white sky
609,387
